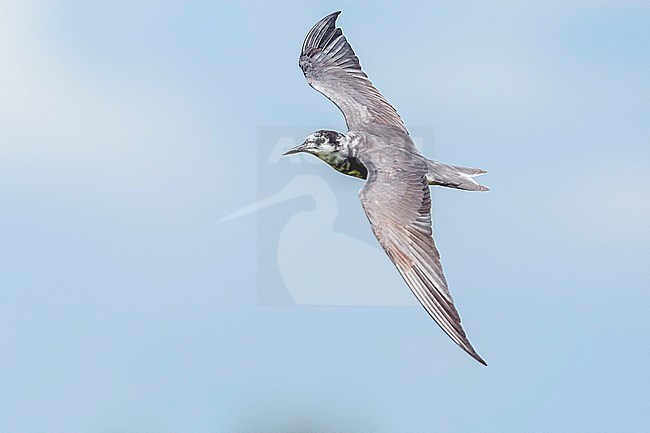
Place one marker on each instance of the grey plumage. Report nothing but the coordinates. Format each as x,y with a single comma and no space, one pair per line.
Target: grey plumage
377,147
331,67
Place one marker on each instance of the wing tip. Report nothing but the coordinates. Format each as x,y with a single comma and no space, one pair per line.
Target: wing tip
324,26
471,352
330,17
467,347
481,360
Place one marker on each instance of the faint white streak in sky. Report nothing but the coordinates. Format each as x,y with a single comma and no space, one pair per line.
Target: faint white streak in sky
320,266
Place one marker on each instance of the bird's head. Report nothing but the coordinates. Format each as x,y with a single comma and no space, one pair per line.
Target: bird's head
321,143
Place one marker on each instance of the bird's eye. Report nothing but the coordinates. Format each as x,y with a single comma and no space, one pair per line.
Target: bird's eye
320,141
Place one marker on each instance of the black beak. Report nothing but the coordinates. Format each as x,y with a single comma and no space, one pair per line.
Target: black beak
296,149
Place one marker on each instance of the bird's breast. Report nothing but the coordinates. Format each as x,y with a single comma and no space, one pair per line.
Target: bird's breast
347,165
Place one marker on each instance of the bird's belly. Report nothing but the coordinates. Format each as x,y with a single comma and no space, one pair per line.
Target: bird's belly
351,167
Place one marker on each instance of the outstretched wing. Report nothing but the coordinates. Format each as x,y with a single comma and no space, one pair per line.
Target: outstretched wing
331,67
397,202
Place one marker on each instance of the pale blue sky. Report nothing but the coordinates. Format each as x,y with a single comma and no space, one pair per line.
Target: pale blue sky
128,128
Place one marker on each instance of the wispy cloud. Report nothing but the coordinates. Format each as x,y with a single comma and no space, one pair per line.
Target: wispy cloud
81,130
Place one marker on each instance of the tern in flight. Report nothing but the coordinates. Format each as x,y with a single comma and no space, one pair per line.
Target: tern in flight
378,148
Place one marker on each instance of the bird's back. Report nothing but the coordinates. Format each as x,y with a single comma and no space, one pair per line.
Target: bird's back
385,146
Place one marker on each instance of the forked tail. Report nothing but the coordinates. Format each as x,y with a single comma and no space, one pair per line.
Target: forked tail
453,176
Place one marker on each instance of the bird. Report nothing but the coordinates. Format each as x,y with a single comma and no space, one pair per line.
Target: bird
378,149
